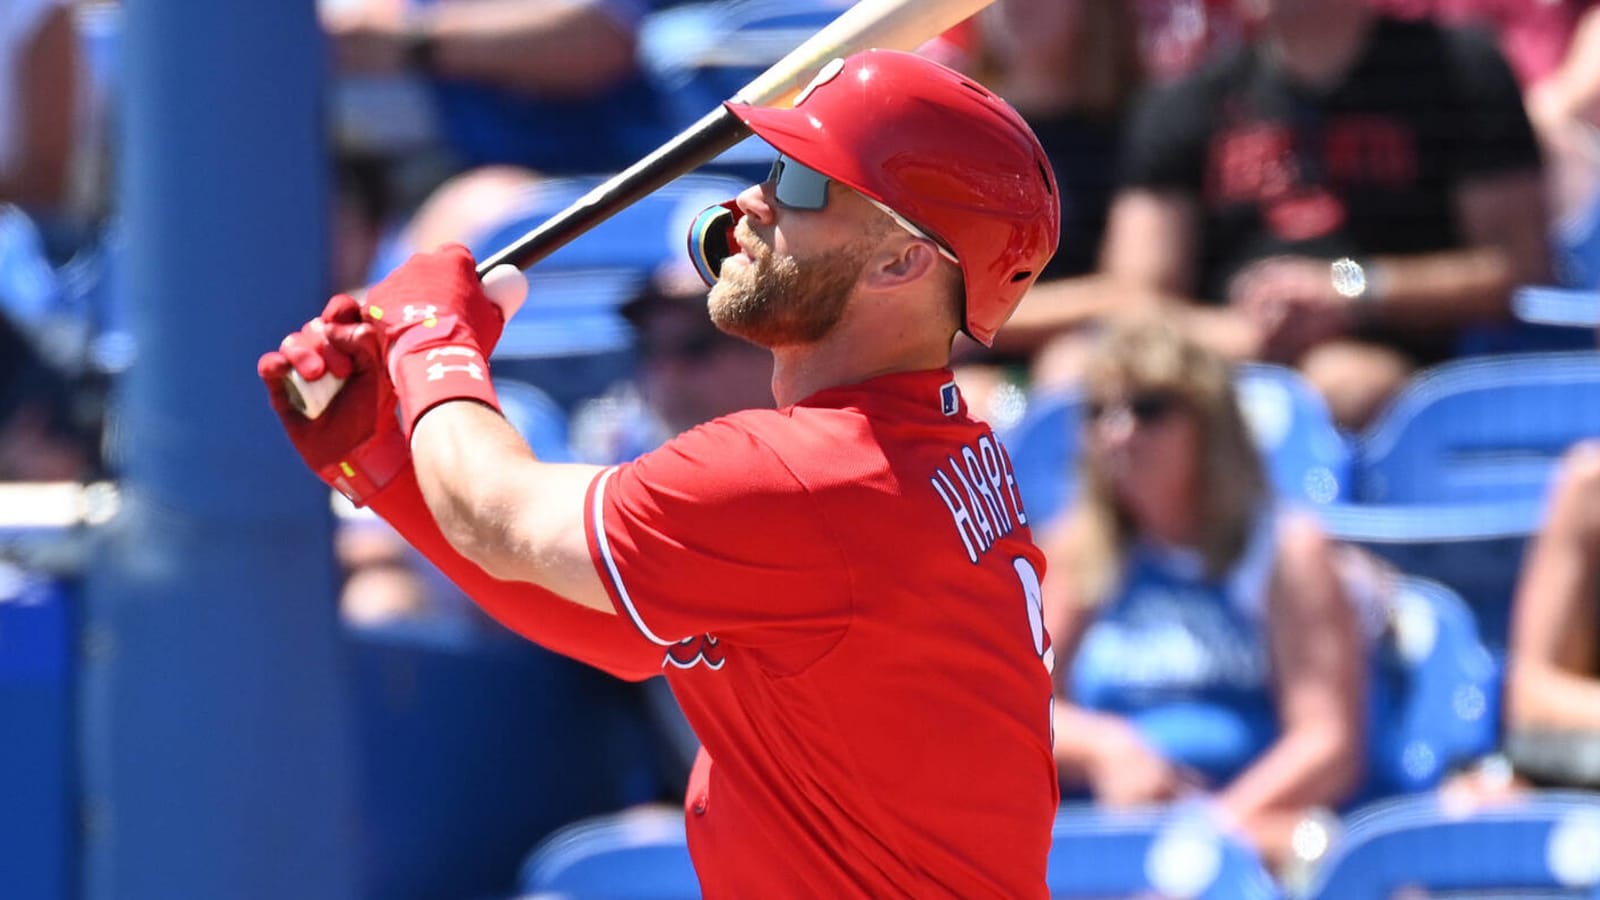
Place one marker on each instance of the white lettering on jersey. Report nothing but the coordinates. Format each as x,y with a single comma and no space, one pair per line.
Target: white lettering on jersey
987,506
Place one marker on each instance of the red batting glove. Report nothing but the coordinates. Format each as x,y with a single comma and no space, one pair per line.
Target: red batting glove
433,321
356,446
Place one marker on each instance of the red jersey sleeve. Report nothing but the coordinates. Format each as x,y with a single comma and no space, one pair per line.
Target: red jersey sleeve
713,534
608,642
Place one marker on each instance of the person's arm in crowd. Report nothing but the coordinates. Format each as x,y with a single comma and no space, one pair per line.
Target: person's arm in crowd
1063,305
1319,669
1151,247
1504,226
1552,680
550,48
47,90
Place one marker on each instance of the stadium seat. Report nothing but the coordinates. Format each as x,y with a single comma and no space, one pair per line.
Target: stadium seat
702,53
473,747
1479,429
1543,844
1558,306
1473,548
638,854
39,816
1449,482
1306,457
574,294
1043,447
1435,691
1176,854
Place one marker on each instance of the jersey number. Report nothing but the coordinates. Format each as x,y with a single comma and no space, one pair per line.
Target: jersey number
1034,600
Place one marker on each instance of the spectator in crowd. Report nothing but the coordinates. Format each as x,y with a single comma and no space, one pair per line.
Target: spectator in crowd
1178,36
1565,109
1349,193
1070,67
689,373
39,73
41,435
554,86
1532,34
1552,695
1205,646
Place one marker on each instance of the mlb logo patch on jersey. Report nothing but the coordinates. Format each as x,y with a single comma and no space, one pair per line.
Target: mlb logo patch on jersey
949,398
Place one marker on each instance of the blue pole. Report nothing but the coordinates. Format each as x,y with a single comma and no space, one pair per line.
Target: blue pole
216,750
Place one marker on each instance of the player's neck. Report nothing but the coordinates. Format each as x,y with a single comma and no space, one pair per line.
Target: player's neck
846,357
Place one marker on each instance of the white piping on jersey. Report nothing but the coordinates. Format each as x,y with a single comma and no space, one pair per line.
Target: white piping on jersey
598,515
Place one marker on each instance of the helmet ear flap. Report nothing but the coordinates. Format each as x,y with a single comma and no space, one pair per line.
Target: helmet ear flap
711,239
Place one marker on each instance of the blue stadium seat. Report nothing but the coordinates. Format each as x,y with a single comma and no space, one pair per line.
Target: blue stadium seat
1473,548
703,53
1450,481
1436,689
1543,844
38,813
1307,458
1480,429
1558,306
638,854
575,293
475,747
1101,854
1043,447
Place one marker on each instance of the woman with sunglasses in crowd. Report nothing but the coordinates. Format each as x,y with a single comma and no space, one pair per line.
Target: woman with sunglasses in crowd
1206,649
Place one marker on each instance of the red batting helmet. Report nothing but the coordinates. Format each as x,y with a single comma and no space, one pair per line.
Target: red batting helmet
939,149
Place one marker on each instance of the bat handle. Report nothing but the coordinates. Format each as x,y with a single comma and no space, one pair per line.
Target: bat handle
506,287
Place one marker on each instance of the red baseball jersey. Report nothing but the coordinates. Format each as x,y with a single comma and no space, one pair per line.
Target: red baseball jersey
846,594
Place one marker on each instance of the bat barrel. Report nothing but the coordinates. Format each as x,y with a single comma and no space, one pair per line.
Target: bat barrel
693,147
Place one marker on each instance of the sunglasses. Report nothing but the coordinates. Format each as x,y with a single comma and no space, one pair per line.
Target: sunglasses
798,186
1145,407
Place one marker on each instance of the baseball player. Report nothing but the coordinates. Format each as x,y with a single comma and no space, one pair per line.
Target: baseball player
842,592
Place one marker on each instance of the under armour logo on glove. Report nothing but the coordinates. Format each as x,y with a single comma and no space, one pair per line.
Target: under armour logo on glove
420,313
437,371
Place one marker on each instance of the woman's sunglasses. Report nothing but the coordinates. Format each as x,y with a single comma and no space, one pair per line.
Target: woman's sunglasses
1146,407
798,186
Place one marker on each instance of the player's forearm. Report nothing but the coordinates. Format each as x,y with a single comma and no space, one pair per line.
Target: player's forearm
553,49
607,642
468,460
518,518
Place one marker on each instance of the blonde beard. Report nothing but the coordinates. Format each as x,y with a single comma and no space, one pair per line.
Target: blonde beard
777,301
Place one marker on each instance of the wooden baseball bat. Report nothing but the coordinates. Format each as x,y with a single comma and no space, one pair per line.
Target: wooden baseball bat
883,24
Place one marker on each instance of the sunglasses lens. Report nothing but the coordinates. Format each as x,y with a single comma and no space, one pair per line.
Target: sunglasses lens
1144,409
1150,407
797,186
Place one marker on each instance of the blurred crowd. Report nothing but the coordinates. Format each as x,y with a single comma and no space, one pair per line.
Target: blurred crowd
1353,190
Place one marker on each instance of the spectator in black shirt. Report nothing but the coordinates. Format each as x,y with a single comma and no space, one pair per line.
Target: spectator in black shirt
1348,194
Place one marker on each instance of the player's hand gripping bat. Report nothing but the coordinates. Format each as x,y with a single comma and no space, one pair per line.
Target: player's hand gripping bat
884,24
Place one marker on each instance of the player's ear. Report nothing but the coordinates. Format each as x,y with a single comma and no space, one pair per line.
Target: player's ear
899,262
